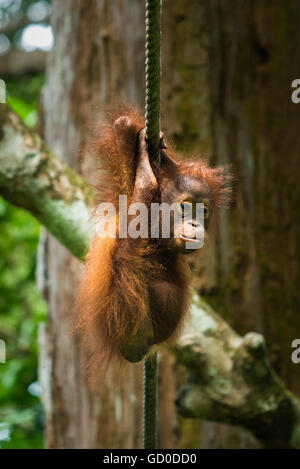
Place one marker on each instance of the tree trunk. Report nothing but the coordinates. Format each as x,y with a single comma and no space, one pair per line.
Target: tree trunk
98,59
98,55
253,60
227,70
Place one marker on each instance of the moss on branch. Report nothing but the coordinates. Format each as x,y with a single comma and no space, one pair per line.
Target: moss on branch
230,379
33,178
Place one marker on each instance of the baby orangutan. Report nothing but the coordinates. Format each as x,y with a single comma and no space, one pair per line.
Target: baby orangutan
135,291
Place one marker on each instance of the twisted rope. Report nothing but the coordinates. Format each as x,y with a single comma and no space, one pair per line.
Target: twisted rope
152,118
152,104
150,402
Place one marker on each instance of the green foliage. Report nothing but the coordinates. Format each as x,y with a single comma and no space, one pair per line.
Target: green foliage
22,96
21,305
21,309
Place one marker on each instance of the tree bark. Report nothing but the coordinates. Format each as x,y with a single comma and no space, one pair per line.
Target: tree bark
98,53
18,63
253,59
230,379
227,73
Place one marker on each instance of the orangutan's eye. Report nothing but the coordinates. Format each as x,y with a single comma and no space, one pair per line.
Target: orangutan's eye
205,211
185,206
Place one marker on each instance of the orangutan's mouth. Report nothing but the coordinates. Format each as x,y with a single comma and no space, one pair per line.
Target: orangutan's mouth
190,240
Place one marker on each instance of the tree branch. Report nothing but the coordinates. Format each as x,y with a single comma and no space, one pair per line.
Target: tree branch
31,177
230,378
18,62
13,26
231,381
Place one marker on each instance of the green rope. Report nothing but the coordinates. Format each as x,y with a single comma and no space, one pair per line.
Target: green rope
150,402
152,117
152,105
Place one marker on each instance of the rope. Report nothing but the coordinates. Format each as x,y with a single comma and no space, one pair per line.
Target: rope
150,402
152,118
152,104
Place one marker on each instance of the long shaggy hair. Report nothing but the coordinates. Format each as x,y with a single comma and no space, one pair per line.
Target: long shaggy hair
115,298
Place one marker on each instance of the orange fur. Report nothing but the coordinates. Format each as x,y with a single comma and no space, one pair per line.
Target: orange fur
133,287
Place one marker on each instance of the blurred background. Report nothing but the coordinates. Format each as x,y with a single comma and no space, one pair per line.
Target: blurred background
25,39
226,94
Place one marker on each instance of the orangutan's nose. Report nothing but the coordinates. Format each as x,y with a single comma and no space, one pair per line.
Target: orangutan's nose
194,224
